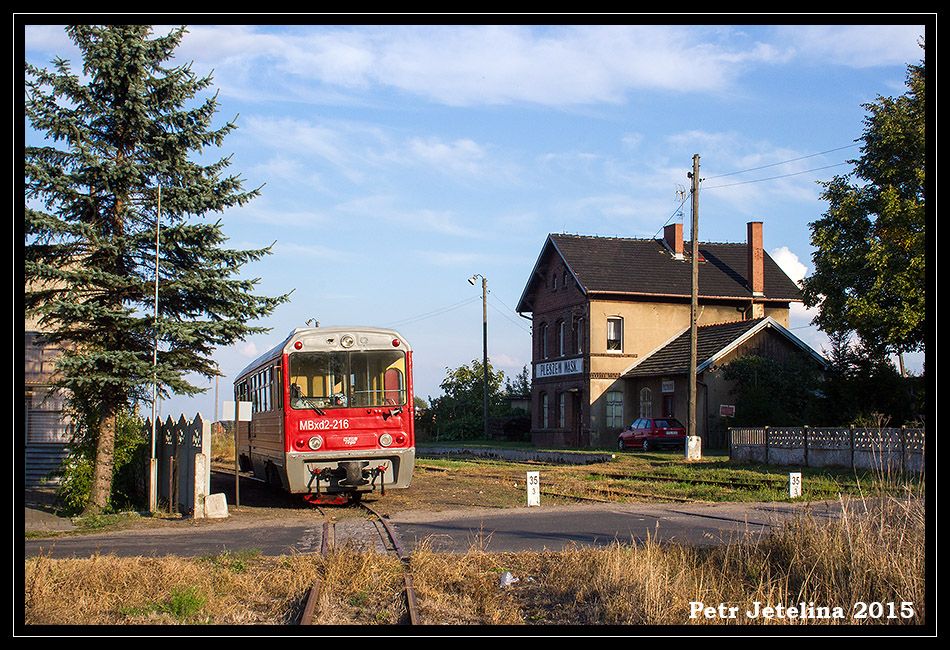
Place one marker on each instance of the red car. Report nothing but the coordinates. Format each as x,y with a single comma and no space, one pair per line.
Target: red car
653,433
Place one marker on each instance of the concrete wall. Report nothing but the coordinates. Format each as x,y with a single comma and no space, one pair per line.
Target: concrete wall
886,450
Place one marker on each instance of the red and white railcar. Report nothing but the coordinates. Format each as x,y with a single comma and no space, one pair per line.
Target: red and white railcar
332,413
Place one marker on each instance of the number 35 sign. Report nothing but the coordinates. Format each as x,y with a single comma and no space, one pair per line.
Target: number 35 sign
534,488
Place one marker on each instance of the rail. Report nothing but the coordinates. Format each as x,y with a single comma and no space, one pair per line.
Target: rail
409,590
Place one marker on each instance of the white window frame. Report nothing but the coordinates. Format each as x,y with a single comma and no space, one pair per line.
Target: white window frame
619,321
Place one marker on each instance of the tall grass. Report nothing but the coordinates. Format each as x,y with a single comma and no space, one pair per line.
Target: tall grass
873,553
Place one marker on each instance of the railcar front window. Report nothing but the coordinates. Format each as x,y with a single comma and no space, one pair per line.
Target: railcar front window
347,379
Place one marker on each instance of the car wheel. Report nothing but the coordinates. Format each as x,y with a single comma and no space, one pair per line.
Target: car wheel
646,445
620,444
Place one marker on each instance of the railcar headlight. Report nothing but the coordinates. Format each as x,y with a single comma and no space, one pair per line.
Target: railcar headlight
315,442
385,440
347,341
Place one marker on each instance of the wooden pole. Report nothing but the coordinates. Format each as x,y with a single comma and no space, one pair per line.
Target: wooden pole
694,298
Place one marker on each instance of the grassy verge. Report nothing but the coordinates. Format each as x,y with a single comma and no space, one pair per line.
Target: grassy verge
876,556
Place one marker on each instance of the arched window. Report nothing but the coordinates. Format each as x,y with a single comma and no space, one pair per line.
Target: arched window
543,340
646,403
580,336
544,410
562,410
561,338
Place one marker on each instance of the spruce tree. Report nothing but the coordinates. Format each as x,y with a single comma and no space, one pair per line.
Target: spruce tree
130,124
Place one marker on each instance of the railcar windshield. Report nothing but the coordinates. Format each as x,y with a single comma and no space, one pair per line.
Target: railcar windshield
327,380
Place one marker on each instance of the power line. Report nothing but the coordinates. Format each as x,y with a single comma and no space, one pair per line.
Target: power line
434,312
772,178
812,155
683,202
509,318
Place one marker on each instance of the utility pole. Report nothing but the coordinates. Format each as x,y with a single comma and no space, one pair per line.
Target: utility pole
694,298
471,281
485,353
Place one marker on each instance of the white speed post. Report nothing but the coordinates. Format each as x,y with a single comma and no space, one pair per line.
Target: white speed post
242,413
794,485
534,488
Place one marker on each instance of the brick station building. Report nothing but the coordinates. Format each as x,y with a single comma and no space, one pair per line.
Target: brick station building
602,307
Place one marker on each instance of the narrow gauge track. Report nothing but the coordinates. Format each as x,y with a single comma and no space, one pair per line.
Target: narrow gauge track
607,490
740,483
326,544
410,591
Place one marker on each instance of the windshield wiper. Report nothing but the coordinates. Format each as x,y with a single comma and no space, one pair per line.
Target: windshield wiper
317,409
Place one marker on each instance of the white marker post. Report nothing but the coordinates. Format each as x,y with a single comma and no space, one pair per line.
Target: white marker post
794,485
242,413
534,488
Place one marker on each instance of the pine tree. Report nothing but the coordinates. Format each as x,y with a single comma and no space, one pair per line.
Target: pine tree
112,138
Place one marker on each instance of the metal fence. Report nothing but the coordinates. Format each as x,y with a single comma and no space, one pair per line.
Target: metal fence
856,447
183,451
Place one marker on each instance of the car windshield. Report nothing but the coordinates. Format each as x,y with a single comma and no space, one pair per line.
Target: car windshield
346,379
669,423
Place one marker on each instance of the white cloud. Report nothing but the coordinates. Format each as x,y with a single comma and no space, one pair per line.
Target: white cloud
789,262
248,350
427,220
461,156
474,65
856,46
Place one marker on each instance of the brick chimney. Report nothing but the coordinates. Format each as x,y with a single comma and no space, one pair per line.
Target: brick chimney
673,236
756,257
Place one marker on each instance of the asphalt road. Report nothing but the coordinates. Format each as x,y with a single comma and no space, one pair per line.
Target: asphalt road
520,529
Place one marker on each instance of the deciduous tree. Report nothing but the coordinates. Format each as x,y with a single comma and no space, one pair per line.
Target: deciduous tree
869,246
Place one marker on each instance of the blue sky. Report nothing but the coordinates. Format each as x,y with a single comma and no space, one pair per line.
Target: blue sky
397,161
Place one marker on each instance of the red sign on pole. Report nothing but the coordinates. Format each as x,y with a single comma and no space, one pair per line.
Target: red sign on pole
727,410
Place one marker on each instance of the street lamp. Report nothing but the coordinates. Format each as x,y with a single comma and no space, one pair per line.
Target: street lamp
153,461
471,281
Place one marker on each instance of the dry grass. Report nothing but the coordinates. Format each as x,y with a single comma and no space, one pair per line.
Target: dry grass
874,554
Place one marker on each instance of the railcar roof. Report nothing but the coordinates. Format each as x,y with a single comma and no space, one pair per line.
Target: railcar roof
277,350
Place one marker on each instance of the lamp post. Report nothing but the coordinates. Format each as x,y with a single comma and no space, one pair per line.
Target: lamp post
153,461
471,281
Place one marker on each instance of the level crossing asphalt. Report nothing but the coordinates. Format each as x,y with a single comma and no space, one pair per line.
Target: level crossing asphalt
511,530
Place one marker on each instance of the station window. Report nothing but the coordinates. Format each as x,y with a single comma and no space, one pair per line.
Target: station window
615,333
544,411
614,402
646,403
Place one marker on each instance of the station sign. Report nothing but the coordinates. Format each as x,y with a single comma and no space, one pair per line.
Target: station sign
558,368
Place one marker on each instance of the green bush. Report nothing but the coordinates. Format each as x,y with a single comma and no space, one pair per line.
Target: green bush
131,442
